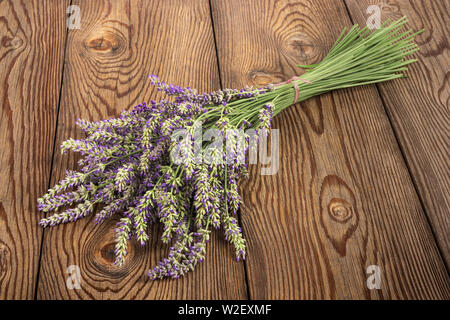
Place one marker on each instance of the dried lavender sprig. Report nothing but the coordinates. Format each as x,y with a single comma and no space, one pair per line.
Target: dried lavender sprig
127,167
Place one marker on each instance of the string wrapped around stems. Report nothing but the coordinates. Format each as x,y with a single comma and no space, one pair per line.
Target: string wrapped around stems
294,85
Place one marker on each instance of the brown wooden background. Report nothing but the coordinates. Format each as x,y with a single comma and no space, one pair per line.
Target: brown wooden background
364,173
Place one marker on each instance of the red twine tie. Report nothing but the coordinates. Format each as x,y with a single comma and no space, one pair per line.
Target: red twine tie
295,85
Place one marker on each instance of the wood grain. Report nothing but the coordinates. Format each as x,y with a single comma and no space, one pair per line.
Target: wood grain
342,199
419,107
31,54
108,60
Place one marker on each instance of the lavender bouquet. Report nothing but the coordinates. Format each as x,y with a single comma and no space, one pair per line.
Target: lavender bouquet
149,166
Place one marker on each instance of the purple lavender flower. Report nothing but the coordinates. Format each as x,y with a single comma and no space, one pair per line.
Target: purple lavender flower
127,170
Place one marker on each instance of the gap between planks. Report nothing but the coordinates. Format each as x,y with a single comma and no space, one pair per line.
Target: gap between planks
53,155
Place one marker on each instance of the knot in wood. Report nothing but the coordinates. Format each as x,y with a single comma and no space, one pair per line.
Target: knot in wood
340,210
107,42
107,253
262,78
302,46
11,42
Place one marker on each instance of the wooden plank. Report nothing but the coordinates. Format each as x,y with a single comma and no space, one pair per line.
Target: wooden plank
342,199
108,60
418,107
31,59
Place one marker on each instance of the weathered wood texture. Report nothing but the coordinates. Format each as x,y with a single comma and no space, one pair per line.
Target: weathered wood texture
342,199
363,177
107,63
31,58
419,107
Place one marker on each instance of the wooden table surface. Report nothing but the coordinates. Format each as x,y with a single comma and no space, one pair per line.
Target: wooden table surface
364,173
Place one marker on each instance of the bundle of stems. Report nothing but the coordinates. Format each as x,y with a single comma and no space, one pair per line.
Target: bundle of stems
129,169
358,57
